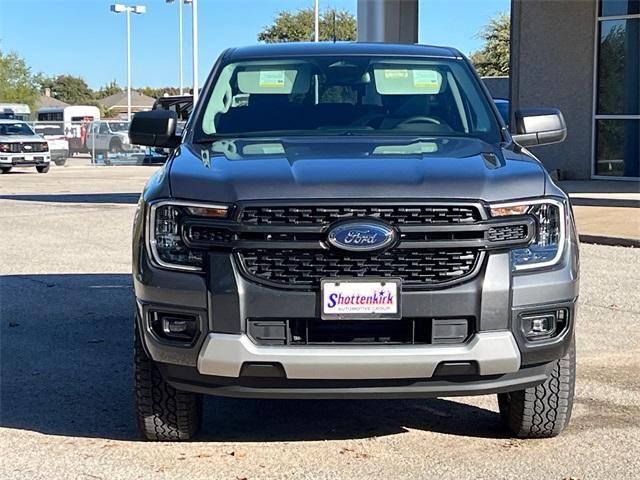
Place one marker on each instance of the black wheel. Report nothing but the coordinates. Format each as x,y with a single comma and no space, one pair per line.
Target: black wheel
5,169
115,146
545,410
43,169
61,162
163,413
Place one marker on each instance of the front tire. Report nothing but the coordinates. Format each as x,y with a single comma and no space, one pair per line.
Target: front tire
545,410
5,169
115,147
43,169
163,413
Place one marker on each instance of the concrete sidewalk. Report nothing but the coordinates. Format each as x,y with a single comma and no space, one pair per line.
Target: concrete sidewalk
607,212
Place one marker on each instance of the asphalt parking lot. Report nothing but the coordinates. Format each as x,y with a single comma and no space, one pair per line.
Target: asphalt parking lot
66,401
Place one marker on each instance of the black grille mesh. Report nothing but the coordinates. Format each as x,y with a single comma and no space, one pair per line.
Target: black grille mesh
323,215
507,232
29,147
304,269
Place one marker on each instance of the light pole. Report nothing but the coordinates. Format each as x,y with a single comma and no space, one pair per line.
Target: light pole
137,9
194,39
180,41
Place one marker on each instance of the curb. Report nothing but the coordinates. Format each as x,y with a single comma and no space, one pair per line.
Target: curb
610,241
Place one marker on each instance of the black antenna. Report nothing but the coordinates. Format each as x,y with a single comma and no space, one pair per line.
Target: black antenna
334,25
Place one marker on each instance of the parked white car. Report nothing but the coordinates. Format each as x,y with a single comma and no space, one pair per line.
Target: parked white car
20,146
53,133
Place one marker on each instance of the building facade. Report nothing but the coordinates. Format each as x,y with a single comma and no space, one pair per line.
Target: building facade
581,56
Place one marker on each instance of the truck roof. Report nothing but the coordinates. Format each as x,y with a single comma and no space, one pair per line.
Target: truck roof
339,48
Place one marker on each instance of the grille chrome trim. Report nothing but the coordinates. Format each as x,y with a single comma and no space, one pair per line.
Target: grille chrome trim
216,233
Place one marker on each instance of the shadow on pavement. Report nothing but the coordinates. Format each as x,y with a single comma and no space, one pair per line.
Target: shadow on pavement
65,369
128,198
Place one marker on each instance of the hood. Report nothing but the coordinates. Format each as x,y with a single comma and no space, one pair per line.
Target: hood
352,167
21,138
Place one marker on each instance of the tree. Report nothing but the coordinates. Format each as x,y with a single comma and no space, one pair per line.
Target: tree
70,89
159,92
109,89
17,83
299,26
493,58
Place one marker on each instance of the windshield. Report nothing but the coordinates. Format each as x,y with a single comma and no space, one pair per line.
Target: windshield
119,126
17,128
49,129
341,95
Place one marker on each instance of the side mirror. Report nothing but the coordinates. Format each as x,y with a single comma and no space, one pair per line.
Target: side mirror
539,126
156,128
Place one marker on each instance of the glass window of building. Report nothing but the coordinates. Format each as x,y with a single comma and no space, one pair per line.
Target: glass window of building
617,103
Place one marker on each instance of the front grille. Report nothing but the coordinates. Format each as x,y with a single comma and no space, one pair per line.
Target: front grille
29,147
308,331
305,269
507,232
395,215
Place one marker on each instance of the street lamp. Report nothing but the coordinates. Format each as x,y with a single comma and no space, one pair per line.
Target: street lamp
194,39
137,9
186,2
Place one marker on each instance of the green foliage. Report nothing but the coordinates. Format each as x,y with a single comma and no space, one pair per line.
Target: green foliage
109,89
70,89
493,58
105,112
17,83
299,26
159,92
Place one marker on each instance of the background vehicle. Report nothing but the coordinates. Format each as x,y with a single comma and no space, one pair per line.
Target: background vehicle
17,111
20,146
502,104
109,136
359,224
58,143
74,120
182,105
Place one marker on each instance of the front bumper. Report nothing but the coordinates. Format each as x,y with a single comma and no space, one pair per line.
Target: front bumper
222,359
225,355
25,160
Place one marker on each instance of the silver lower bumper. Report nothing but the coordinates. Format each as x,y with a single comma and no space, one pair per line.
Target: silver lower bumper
223,355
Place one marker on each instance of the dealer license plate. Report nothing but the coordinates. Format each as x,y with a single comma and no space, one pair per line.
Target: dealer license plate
360,299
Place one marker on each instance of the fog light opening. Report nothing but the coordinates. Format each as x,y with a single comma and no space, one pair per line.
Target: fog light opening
542,325
174,326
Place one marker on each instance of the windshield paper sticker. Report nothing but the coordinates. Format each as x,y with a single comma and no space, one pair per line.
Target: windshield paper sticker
430,80
396,74
271,78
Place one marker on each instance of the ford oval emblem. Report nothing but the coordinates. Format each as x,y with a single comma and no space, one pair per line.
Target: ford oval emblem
361,236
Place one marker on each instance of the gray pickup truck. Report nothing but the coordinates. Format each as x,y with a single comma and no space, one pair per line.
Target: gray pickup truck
349,221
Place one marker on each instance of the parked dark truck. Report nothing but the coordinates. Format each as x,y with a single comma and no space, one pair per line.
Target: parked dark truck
349,221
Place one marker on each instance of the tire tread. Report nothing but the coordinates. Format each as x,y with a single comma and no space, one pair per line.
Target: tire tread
163,413
544,410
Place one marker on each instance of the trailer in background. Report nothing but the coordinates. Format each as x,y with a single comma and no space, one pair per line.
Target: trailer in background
15,111
74,121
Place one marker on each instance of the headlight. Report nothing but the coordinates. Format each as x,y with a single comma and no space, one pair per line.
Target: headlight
164,233
548,243
5,147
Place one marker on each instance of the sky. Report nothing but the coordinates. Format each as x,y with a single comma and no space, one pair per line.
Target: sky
83,38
